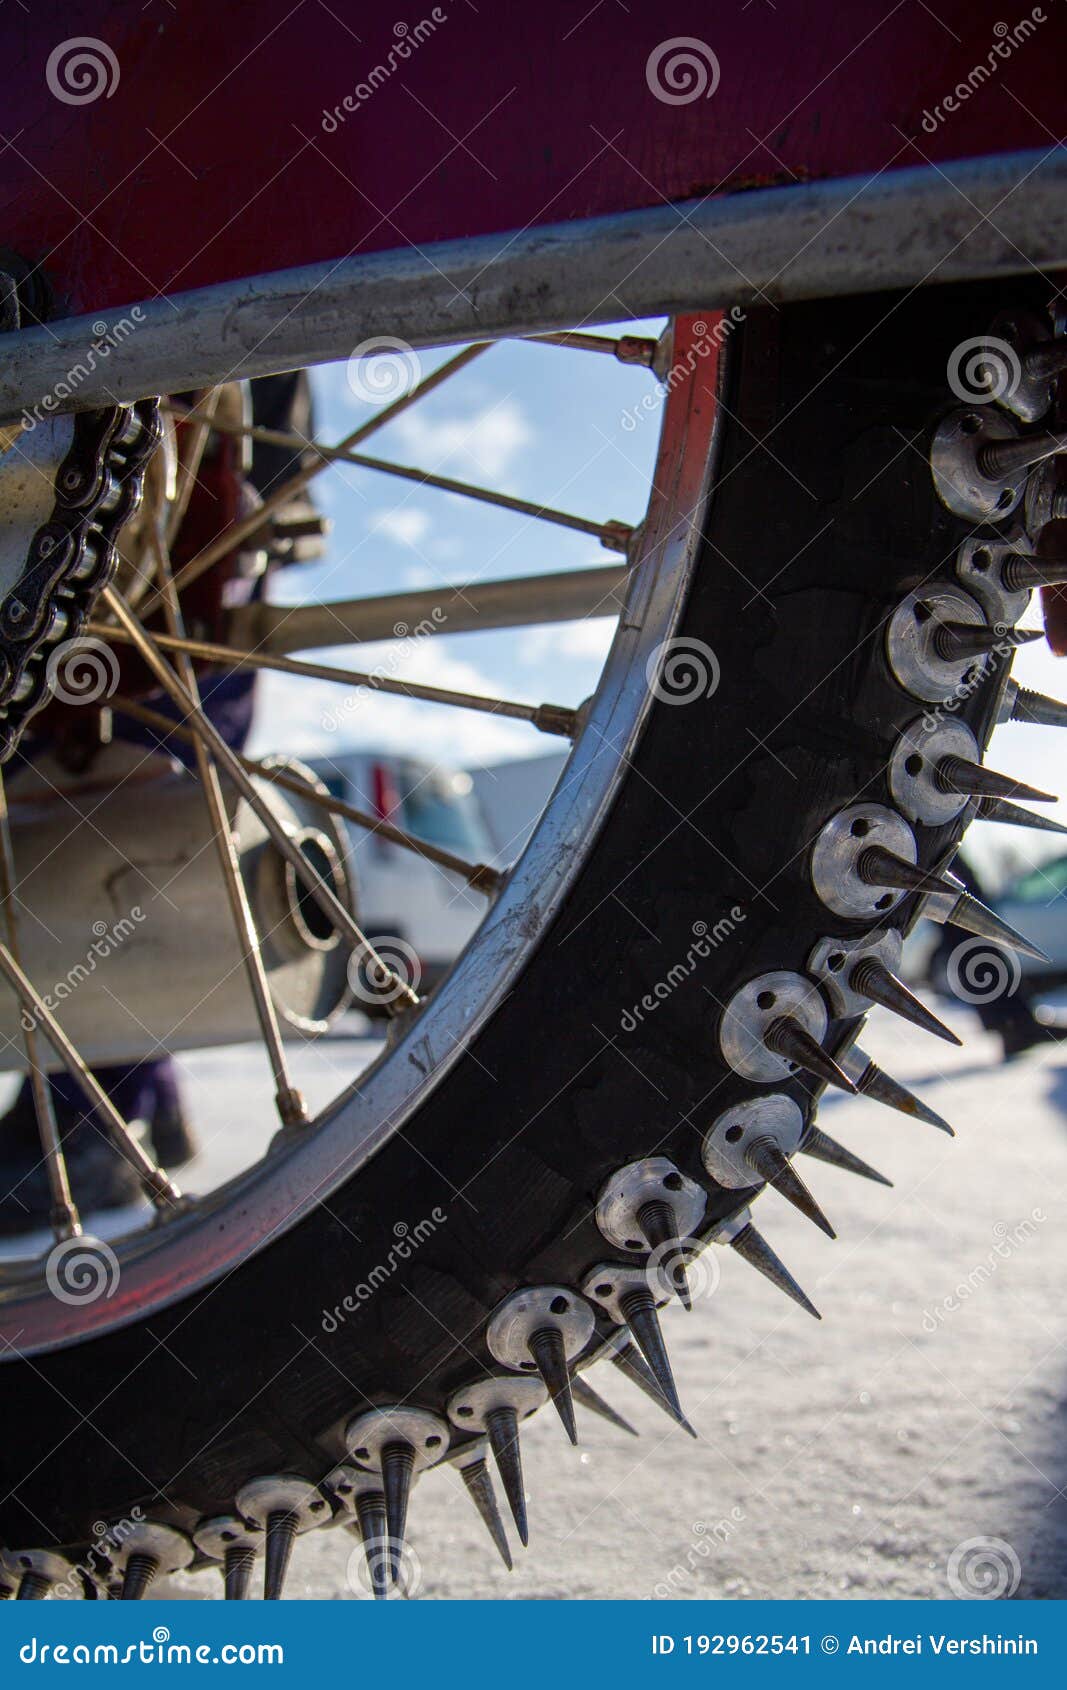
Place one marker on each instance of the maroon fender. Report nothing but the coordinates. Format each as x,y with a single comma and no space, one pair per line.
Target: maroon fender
212,140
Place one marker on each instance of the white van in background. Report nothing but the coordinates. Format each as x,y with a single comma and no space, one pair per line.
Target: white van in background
399,895
512,795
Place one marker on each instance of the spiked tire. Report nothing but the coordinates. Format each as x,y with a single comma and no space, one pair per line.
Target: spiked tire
824,517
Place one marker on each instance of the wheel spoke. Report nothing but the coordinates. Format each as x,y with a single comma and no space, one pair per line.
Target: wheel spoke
199,419
292,1110
627,348
64,1213
259,518
331,906
549,718
477,875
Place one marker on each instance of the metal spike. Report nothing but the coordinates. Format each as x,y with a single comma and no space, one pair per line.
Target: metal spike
826,1149
374,1530
595,1403
630,1363
141,1569
999,810
1035,708
237,1572
999,459
33,1587
398,1464
975,917
878,867
480,1490
959,774
657,1221
787,1038
639,1307
1021,572
872,979
882,1088
281,1535
955,642
766,1158
502,1429
550,1354
753,1248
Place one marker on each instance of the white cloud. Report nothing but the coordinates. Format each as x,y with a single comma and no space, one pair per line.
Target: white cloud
483,444
585,641
404,524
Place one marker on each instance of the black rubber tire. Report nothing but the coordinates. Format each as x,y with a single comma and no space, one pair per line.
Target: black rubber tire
824,514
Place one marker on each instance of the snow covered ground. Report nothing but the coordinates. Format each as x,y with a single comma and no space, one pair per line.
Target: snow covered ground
851,1457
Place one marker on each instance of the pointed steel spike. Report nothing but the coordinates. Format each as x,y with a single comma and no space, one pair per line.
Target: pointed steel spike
954,642
630,1363
826,1149
237,1566
753,1248
550,1355
1021,572
766,1158
657,1222
281,1535
398,1464
639,1307
975,917
141,1569
878,867
33,1587
374,1530
999,810
960,774
502,1428
595,1403
882,1088
1036,708
480,1490
872,979
788,1039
